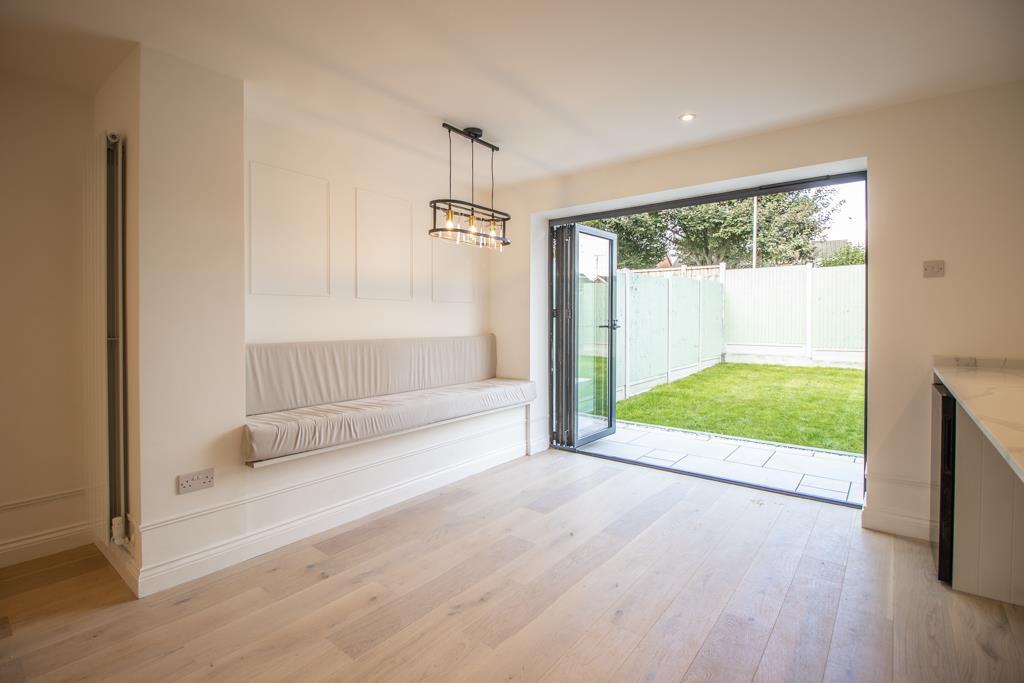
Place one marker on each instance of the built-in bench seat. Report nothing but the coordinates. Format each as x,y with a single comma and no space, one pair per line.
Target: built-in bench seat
308,397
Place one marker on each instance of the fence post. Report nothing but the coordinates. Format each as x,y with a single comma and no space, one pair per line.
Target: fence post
626,324
722,272
700,322
721,280
668,328
809,306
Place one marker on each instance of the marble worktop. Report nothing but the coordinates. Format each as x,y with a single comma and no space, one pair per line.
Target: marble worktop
992,393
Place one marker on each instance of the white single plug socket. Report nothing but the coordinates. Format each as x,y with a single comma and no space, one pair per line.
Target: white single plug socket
193,481
935,268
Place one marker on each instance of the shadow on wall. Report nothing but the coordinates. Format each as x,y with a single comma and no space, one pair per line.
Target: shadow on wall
66,57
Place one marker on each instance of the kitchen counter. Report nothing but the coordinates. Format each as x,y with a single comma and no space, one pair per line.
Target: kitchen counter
993,397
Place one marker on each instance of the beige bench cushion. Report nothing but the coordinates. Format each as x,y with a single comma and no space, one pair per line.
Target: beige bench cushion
286,432
295,375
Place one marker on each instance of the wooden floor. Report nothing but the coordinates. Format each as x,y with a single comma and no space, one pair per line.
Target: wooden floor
558,567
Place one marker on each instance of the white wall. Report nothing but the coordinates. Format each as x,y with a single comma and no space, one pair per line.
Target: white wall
191,313
43,134
191,329
347,161
943,179
250,511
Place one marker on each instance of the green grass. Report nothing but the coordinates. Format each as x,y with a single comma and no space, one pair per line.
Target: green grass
593,369
818,407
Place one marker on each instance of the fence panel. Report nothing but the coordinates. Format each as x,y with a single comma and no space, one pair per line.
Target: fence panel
712,317
673,324
838,308
766,306
647,328
621,293
684,310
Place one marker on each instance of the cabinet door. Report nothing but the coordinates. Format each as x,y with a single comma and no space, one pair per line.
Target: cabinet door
967,504
988,557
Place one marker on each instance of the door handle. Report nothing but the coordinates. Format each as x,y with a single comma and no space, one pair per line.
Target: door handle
613,326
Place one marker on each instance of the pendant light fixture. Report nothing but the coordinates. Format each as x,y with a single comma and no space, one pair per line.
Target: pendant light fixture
465,222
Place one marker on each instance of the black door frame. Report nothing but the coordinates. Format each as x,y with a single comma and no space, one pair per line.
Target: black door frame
818,181
562,338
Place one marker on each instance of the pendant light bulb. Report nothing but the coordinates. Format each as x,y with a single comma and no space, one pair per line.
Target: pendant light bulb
466,222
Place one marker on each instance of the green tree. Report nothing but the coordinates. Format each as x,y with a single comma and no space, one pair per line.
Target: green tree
643,241
707,234
847,255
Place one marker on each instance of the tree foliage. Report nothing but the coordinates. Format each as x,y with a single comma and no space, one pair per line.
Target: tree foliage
707,234
847,255
642,239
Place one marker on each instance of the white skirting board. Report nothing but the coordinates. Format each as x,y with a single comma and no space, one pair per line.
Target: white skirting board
895,523
42,525
897,506
325,503
44,543
123,563
539,432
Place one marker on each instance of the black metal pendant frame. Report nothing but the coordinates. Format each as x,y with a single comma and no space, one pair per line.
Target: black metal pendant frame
488,219
486,226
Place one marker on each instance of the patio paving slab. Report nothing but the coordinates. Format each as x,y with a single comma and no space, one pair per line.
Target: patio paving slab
824,474
800,452
856,494
838,457
739,472
708,449
671,441
821,493
625,434
670,456
660,462
838,485
618,450
831,469
749,455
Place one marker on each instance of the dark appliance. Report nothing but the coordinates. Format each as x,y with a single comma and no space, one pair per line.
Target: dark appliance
943,467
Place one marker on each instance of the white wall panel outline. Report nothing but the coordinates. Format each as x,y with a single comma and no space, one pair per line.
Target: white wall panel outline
289,232
383,246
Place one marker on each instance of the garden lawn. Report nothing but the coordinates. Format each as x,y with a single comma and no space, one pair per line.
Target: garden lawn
818,407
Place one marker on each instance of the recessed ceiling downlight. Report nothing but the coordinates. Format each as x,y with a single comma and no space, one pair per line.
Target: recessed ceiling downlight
687,117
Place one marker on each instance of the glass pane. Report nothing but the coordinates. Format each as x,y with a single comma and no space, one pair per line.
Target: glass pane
593,334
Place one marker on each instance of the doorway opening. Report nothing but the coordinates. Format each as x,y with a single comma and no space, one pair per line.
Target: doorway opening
720,336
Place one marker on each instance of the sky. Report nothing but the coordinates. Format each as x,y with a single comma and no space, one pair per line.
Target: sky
850,221
592,254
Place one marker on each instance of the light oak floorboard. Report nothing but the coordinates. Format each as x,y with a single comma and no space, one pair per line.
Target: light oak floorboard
732,650
923,644
556,567
799,644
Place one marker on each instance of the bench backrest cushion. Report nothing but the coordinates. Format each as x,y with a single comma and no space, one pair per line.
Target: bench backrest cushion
301,374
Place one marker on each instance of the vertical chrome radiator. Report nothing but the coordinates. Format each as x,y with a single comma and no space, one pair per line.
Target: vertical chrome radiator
117,384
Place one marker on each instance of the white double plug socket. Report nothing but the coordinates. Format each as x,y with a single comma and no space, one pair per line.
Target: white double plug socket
193,481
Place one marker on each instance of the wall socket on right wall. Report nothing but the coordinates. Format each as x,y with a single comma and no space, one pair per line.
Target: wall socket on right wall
935,268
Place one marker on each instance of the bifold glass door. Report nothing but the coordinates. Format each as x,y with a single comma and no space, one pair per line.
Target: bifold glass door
582,334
